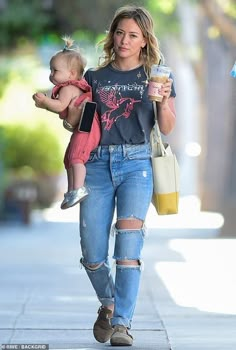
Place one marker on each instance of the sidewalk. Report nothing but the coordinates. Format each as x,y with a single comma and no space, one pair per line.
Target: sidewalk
186,301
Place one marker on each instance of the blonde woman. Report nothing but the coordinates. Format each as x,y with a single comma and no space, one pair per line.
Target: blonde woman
119,171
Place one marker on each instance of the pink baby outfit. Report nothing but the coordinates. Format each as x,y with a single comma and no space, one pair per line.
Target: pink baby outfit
81,143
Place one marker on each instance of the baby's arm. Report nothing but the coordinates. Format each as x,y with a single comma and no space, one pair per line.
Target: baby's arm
66,94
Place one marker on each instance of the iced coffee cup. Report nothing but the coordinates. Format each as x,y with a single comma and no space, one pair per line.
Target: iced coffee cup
159,75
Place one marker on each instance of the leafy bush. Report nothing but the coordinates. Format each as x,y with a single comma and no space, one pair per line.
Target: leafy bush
30,156
36,148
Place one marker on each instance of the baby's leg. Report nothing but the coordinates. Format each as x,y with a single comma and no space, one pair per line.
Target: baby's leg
70,179
79,191
78,173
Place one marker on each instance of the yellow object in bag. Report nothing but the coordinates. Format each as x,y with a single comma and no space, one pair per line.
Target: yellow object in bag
166,203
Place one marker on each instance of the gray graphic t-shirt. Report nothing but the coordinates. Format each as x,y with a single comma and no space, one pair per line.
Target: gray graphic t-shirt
123,106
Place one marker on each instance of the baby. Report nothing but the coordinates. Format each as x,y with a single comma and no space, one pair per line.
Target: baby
67,68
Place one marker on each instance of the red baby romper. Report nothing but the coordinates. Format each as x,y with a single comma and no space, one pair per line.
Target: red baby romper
81,143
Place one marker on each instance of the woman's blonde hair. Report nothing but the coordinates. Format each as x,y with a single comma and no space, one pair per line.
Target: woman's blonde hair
73,56
151,53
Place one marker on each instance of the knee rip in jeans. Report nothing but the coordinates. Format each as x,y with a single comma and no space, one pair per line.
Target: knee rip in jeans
91,267
128,246
130,264
130,223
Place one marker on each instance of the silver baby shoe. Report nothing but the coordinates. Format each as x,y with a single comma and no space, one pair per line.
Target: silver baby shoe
76,196
65,200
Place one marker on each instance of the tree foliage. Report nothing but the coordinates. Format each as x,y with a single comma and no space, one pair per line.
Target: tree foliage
36,148
22,20
222,15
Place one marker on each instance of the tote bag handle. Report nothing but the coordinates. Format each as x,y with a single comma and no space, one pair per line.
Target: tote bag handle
157,133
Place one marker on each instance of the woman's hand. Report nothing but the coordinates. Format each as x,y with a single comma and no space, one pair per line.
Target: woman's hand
74,112
166,91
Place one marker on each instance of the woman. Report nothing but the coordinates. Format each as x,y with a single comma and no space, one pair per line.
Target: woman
119,172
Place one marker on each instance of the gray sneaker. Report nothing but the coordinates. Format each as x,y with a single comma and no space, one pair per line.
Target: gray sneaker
76,196
121,336
102,329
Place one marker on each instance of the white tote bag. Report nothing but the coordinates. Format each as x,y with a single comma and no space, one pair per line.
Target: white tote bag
166,177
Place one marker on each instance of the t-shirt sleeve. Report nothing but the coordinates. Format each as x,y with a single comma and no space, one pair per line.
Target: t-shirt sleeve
88,76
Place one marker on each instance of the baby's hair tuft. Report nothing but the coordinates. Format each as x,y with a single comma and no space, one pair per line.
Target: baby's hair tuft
68,42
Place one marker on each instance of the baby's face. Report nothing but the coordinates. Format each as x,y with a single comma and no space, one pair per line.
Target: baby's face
60,73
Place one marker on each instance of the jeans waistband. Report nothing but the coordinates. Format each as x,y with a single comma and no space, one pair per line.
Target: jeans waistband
123,149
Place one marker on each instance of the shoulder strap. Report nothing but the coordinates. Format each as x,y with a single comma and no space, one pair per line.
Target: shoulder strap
156,140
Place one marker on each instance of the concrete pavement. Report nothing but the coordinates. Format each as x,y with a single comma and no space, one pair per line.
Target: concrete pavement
186,300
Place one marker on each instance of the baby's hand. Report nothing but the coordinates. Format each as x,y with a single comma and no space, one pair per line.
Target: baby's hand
40,100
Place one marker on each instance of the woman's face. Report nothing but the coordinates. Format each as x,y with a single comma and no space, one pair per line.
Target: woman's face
128,39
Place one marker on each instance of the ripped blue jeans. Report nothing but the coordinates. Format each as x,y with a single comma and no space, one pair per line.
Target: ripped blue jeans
119,177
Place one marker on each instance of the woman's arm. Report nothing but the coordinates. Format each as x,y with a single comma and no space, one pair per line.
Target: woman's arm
166,109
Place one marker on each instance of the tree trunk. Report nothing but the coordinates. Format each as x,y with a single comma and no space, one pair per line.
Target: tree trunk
219,168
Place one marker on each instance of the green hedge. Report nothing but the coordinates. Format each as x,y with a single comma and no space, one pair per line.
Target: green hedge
36,148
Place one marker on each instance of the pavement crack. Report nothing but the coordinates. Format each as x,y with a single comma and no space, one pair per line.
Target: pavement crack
151,295
21,312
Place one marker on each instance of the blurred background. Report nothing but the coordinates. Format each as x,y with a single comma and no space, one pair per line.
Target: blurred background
198,39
